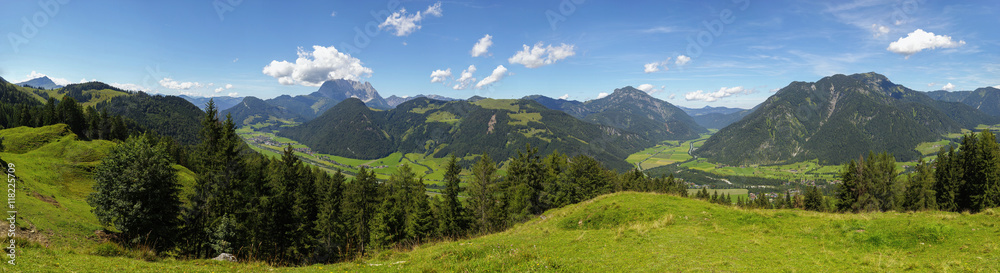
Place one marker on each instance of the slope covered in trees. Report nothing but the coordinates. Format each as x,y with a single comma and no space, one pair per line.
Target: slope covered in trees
986,99
631,110
839,118
462,128
252,110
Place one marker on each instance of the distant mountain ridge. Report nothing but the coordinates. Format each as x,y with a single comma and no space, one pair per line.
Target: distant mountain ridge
836,119
394,100
221,102
986,99
252,110
329,94
693,112
632,110
41,82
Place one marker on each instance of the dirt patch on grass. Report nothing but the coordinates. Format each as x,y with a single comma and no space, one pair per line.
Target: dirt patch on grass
46,199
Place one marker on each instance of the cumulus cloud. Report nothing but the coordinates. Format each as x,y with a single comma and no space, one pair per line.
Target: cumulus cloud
714,96
879,30
223,88
649,88
948,87
172,84
314,68
233,94
496,76
602,95
482,47
919,40
440,75
996,86
404,23
564,97
539,55
130,87
655,66
931,84
682,60
466,78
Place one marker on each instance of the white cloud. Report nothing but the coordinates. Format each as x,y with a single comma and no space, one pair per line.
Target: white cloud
672,96
649,88
233,94
172,84
659,30
440,75
996,86
774,90
223,88
931,84
682,60
539,55
404,24
602,95
482,47
879,30
948,87
333,14
564,97
497,75
714,96
236,60
919,40
466,78
314,68
129,86
651,67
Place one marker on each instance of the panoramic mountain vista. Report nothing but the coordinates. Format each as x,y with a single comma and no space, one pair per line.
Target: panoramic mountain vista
839,118
503,136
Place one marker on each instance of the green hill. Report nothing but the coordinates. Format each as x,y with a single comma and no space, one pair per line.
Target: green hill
641,232
53,170
167,115
839,118
439,128
254,111
631,110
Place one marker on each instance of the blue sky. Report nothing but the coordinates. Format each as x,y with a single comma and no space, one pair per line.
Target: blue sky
690,53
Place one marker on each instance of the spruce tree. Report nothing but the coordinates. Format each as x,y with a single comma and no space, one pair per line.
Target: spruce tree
481,194
329,220
135,192
452,220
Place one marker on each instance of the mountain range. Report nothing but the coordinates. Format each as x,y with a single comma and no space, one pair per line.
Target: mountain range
41,82
394,101
221,102
463,128
986,99
631,110
839,118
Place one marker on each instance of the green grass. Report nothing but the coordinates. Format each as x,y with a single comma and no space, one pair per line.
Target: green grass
639,232
508,105
443,116
523,118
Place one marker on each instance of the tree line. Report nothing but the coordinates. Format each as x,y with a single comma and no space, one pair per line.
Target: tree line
966,179
284,211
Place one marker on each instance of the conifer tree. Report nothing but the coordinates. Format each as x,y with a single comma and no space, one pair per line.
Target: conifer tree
452,220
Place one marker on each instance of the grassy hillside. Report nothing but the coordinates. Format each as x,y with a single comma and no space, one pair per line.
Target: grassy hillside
629,232
54,171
